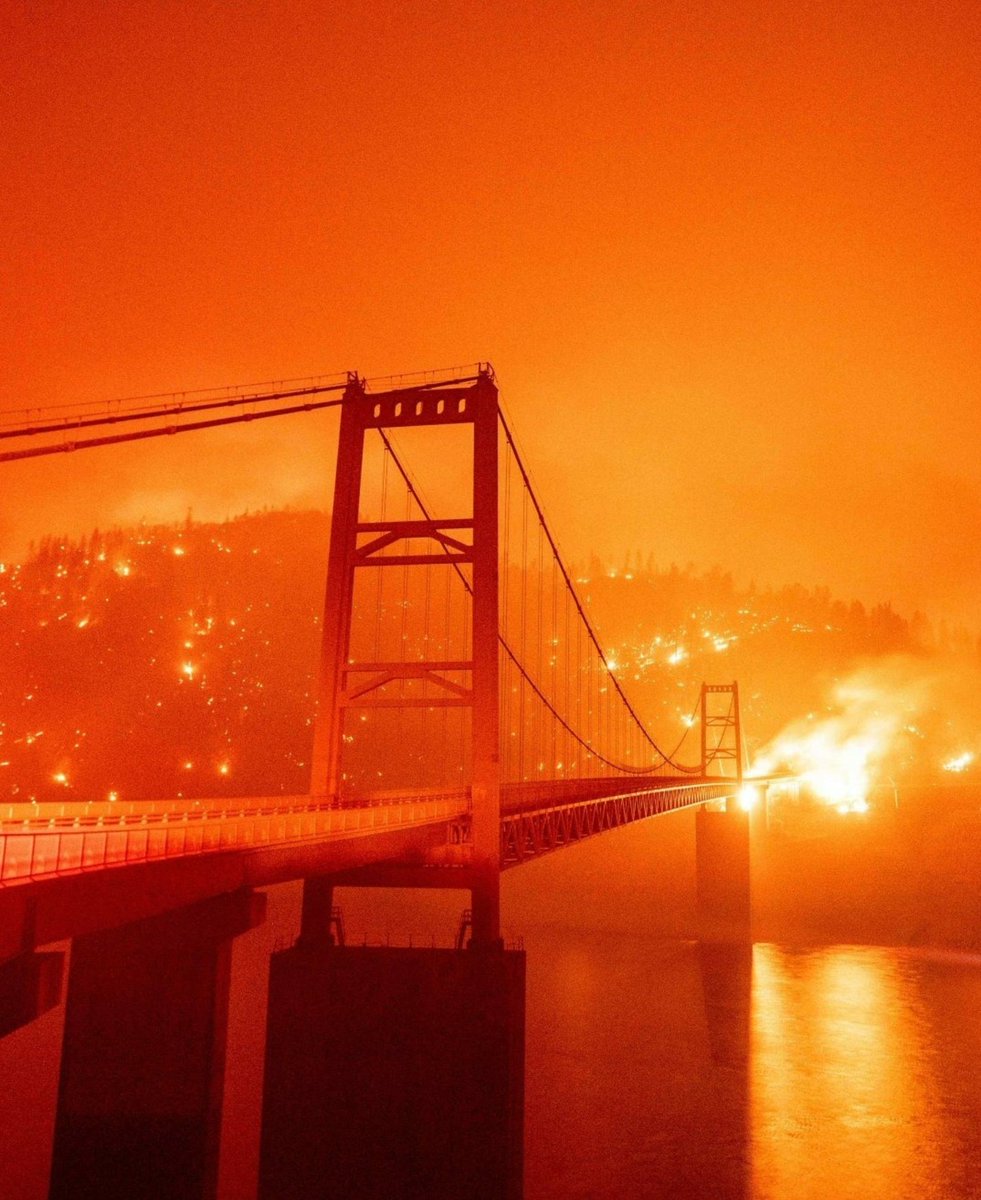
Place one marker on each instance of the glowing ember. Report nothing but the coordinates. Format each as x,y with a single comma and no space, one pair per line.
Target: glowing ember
960,763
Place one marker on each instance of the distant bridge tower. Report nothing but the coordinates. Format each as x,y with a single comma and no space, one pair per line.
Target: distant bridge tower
469,539
722,839
721,731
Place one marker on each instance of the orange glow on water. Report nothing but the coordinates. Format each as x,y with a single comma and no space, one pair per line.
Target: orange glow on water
832,1042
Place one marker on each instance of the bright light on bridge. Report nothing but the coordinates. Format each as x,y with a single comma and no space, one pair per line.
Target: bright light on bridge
748,797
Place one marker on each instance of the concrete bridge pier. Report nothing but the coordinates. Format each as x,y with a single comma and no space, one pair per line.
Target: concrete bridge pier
143,1057
31,1021
723,877
392,1071
317,926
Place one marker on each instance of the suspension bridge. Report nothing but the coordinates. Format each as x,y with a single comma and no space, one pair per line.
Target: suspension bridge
490,665
455,649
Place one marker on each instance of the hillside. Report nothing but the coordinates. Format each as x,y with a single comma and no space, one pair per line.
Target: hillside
182,660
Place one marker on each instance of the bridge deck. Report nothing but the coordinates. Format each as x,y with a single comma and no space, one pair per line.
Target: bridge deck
69,868
39,841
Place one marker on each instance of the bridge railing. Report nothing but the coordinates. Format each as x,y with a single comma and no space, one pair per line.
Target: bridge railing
43,846
119,811
529,831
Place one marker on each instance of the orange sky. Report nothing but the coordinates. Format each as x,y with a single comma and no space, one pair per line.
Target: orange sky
724,257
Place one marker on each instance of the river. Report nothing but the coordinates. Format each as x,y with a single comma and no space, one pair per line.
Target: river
794,1070
665,1070
809,1067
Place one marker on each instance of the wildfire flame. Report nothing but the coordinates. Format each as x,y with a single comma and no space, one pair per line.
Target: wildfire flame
838,755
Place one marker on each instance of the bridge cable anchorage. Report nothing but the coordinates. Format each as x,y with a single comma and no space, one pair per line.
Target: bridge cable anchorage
511,654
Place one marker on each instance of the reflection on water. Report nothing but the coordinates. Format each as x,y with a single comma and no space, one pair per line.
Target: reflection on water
672,1070
855,1088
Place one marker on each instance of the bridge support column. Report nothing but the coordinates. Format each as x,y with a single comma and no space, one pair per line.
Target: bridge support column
316,914
32,1019
139,1110
485,908
394,1072
722,860
30,984
30,980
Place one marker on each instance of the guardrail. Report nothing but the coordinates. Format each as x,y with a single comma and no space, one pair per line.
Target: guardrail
120,811
39,841
36,844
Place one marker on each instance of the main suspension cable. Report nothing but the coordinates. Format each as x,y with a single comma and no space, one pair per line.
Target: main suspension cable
664,759
66,424
587,624
167,431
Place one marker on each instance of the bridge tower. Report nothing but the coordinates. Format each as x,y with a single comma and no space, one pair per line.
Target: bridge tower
467,539
722,839
349,1026
722,740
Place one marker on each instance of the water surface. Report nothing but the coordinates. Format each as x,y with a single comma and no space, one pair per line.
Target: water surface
665,1069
